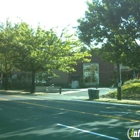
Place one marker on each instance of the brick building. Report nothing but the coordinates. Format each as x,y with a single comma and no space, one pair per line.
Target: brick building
96,72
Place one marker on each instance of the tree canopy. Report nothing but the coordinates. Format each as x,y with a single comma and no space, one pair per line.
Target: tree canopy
38,50
114,25
7,34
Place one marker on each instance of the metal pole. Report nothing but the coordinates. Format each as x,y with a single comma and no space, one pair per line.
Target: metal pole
60,90
119,81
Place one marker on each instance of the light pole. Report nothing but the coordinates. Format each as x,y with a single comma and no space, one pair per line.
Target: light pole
119,82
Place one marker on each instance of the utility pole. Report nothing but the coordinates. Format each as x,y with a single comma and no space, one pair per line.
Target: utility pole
119,82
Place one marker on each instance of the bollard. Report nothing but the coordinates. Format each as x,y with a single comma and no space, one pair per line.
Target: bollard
96,86
60,90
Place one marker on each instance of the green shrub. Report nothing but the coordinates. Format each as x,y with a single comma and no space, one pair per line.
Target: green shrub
130,90
132,81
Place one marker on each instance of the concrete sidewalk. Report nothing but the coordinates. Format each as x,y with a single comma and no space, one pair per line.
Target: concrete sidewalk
73,94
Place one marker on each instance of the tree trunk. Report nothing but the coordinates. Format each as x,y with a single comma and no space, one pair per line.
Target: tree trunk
5,81
119,97
33,82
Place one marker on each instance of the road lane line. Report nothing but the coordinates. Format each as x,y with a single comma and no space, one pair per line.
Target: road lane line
4,99
86,113
28,97
89,132
64,102
115,112
121,109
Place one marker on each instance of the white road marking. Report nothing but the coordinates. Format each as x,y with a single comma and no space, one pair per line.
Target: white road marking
4,99
86,131
27,97
115,112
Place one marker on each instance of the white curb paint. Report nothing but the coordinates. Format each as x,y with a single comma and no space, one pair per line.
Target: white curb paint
86,131
115,112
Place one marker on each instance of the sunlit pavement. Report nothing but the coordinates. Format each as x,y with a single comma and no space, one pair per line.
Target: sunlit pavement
48,117
79,93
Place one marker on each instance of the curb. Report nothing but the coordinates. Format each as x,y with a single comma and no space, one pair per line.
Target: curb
111,100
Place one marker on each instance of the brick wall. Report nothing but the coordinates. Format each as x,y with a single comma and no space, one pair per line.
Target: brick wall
106,71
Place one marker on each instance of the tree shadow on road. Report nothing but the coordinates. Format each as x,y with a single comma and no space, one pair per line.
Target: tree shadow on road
29,121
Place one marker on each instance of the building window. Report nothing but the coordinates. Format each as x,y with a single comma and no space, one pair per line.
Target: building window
91,73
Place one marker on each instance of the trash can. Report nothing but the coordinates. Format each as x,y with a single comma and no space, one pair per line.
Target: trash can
93,93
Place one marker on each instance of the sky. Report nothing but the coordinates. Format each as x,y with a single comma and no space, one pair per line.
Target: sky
46,13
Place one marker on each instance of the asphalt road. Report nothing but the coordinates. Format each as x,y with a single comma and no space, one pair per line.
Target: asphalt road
55,117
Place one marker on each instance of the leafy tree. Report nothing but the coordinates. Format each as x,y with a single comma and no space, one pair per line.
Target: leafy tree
7,33
114,25
38,50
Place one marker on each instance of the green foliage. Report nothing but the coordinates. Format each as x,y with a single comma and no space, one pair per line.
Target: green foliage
38,50
7,43
132,81
114,25
45,51
130,90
